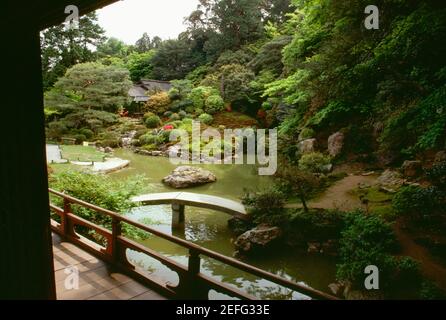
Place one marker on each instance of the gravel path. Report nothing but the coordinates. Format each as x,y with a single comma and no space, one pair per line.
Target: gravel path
53,154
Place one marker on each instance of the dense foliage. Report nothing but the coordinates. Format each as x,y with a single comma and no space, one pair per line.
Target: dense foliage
99,190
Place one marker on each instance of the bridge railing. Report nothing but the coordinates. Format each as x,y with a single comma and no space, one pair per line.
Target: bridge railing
192,283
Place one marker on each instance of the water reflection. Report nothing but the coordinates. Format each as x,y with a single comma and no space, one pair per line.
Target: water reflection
208,228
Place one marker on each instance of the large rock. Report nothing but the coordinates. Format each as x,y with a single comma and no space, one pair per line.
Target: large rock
337,288
186,176
261,237
411,168
307,146
440,156
335,144
390,180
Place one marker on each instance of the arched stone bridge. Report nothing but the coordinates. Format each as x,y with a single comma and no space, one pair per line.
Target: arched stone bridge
179,200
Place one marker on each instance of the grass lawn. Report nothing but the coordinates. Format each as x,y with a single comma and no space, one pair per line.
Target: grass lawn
64,167
81,153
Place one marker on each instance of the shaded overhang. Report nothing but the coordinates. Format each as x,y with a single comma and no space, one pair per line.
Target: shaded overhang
46,13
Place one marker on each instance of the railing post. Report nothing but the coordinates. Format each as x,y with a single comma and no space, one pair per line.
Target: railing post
193,289
193,263
177,216
64,224
116,232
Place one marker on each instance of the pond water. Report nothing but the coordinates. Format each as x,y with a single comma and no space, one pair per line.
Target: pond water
209,229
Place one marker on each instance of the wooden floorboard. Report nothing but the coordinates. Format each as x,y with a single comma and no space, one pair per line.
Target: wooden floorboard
96,280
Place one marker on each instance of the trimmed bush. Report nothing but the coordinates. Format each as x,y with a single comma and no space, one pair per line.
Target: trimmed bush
214,104
206,118
266,206
158,103
174,117
153,121
148,115
182,114
314,162
79,138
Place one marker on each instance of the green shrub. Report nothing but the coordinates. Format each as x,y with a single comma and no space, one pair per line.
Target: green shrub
153,121
416,202
315,225
174,94
198,111
214,104
314,162
158,103
163,137
87,133
206,118
140,133
430,291
385,212
174,117
56,130
199,95
100,190
79,138
112,143
366,240
182,114
267,105
265,206
306,133
190,109
148,115
148,138
150,147
407,271
437,175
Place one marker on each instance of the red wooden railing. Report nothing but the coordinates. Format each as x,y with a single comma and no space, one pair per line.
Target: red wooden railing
192,285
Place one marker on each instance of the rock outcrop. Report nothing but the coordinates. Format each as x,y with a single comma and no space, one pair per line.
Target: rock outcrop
261,237
411,169
390,181
307,146
335,144
187,176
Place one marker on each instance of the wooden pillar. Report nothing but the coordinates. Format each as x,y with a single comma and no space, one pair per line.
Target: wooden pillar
177,216
26,259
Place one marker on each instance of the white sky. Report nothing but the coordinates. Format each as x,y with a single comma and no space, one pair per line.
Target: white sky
127,20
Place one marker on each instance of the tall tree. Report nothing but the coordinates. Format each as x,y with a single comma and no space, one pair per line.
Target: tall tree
113,47
143,44
174,59
62,47
227,24
90,86
140,65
